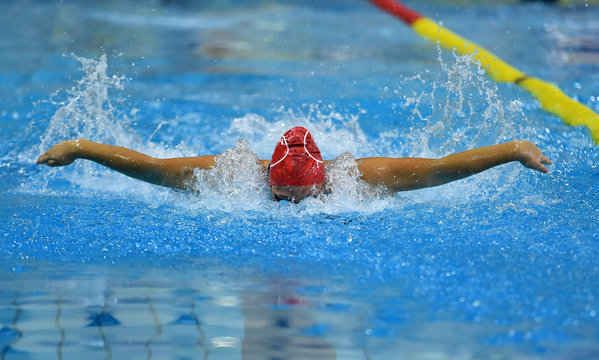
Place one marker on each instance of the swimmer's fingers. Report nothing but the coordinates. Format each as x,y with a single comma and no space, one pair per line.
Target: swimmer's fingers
545,160
539,166
50,160
537,163
46,159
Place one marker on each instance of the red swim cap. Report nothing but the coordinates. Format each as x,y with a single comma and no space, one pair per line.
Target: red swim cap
296,160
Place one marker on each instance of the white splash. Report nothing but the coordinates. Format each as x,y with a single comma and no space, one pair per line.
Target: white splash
333,130
88,111
236,181
347,192
460,109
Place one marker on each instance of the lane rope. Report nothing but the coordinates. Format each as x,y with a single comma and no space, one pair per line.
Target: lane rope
551,98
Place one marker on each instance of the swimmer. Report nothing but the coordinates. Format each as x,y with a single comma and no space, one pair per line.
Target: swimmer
296,169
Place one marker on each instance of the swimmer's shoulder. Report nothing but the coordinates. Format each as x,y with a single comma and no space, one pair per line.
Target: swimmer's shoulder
264,164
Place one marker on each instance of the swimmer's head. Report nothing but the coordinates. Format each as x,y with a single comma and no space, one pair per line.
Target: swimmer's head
296,169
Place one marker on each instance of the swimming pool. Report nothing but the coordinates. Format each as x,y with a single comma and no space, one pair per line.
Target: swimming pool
96,265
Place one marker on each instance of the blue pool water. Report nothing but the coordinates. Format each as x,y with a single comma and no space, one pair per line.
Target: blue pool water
95,265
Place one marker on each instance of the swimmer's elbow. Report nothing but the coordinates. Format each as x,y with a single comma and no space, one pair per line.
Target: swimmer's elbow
173,175
428,173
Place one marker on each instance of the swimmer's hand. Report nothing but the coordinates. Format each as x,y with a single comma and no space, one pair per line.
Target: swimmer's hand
61,154
531,156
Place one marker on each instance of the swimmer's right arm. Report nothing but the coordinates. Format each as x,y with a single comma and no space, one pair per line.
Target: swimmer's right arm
176,173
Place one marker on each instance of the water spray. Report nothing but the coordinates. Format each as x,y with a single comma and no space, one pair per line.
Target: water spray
552,99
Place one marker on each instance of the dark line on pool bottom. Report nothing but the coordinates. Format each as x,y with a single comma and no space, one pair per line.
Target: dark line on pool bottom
366,356
202,339
60,329
15,319
158,330
107,347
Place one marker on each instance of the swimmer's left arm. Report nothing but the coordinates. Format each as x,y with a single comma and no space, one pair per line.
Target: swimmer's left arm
399,174
175,172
